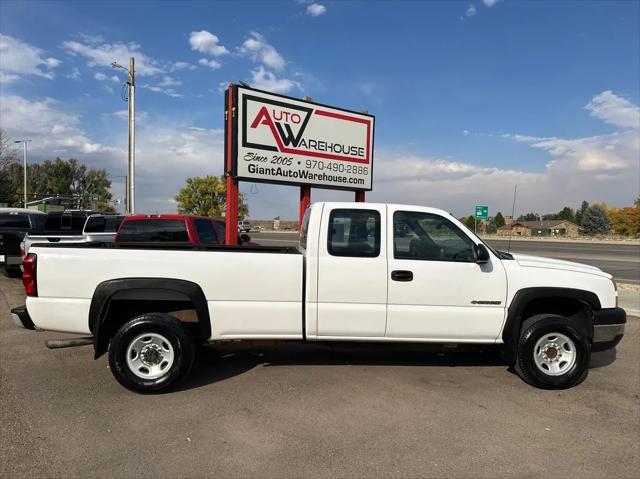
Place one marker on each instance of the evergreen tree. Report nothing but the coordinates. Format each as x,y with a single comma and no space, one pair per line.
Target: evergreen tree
595,221
500,220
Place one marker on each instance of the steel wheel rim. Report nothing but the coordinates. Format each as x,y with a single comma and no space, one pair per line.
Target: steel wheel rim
554,354
150,356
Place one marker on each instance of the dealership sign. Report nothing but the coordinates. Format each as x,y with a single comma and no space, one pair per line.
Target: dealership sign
279,139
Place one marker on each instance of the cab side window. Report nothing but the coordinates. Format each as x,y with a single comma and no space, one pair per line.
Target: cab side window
354,233
426,236
206,233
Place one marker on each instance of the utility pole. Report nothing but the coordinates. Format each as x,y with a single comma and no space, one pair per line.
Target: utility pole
131,168
24,167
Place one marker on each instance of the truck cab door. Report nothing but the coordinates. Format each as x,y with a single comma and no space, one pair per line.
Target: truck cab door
352,272
437,290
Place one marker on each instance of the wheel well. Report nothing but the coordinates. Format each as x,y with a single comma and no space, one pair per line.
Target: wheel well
576,305
118,301
568,307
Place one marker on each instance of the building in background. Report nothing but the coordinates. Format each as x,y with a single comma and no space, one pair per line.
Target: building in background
550,228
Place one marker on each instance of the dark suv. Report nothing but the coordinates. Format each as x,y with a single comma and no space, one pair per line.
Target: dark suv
15,223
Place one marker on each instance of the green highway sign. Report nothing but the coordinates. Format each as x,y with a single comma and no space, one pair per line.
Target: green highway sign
482,212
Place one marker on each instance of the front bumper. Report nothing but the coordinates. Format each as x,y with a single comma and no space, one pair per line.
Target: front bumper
608,328
21,317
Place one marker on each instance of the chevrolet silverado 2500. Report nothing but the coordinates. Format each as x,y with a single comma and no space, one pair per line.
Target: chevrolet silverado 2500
362,272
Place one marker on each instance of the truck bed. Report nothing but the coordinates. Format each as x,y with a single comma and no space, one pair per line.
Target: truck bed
251,292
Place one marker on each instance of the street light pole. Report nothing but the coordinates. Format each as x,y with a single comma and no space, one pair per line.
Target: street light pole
132,137
131,174
24,167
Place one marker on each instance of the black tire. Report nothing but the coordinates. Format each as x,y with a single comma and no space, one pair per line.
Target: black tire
14,272
533,329
180,344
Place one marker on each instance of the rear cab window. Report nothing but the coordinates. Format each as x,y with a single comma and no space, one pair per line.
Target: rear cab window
103,224
354,233
153,230
15,220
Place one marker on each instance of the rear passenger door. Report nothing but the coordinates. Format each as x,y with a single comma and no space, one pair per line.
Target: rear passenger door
352,272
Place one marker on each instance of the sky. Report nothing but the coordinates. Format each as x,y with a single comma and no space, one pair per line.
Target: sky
470,97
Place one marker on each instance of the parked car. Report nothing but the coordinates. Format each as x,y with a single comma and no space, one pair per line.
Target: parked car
75,227
352,278
244,226
15,223
188,229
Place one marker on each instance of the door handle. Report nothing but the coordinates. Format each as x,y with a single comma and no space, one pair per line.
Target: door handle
400,275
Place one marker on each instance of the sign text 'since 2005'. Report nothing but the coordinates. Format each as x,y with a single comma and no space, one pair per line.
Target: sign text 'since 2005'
283,140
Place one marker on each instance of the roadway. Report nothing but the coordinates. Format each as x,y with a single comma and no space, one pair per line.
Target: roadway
620,259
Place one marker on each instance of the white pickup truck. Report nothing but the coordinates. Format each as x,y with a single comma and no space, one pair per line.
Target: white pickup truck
362,272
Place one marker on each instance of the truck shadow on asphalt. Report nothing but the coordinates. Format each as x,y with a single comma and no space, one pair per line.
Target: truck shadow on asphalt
216,363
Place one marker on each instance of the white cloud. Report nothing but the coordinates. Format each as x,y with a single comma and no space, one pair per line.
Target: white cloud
614,110
103,54
316,9
54,131
258,49
211,63
617,152
206,42
490,3
74,75
168,81
471,11
182,66
266,80
18,58
102,77
465,132
165,91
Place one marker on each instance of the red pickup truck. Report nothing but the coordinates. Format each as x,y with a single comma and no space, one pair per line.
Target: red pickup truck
175,229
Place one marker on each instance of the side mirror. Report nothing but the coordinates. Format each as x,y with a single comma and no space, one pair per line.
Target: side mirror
245,238
482,254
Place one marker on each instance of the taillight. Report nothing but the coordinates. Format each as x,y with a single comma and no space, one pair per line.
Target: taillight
29,275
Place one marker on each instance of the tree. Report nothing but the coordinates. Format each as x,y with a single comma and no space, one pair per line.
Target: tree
625,221
500,220
207,197
581,211
529,217
469,222
567,214
68,178
8,159
595,221
492,227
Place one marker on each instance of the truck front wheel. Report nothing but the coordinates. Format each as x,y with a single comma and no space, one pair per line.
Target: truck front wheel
150,353
552,352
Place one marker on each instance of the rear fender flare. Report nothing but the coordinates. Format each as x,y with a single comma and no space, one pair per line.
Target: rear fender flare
104,292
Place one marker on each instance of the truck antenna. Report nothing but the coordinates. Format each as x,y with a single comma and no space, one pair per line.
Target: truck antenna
513,211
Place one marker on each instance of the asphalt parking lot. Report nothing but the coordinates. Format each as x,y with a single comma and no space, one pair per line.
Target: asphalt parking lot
312,411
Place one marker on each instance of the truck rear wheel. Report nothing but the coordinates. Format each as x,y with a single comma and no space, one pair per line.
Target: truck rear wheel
552,352
151,353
